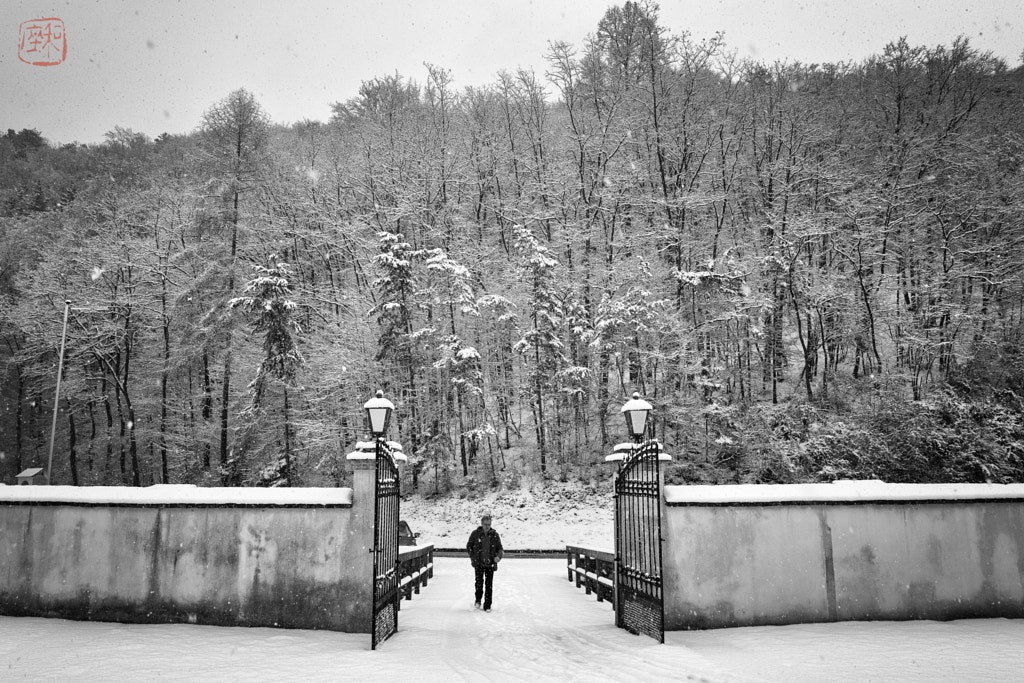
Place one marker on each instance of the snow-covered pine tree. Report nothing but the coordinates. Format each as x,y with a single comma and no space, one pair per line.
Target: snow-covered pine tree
499,330
234,138
400,342
462,375
268,305
540,343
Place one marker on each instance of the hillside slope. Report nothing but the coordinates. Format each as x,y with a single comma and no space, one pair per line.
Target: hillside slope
537,517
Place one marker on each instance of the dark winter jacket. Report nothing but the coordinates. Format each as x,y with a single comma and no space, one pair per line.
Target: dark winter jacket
484,548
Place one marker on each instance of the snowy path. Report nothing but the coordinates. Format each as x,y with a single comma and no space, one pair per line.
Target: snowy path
541,629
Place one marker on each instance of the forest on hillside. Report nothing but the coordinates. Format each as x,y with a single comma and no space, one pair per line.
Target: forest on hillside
812,271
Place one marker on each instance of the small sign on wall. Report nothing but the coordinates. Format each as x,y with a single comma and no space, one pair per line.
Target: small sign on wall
32,476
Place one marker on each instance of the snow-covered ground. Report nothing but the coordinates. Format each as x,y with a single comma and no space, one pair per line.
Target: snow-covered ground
541,629
545,518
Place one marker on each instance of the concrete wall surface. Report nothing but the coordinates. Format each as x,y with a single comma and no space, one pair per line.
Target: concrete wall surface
297,567
757,563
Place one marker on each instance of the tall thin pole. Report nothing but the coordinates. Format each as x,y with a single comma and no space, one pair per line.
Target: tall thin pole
56,398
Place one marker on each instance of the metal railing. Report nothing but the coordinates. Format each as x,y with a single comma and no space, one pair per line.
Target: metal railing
509,553
592,569
415,568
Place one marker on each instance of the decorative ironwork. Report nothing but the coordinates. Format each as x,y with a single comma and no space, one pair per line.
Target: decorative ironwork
386,595
639,602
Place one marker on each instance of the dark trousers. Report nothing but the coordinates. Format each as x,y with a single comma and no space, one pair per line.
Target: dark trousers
484,584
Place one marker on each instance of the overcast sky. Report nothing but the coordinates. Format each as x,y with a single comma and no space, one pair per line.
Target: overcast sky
156,65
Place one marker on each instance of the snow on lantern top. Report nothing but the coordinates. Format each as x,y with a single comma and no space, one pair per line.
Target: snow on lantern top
378,411
636,411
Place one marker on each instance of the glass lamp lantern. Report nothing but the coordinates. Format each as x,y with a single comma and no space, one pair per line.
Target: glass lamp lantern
378,412
636,411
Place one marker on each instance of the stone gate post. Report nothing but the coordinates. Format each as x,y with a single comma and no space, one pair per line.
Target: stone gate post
361,538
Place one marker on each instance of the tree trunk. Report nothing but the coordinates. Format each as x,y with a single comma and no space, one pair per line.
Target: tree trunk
207,409
287,442
133,446
110,430
163,383
17,420
72,446
225,397
92,437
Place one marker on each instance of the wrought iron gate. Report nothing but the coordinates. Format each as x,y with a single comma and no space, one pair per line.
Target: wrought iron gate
385,547
639,602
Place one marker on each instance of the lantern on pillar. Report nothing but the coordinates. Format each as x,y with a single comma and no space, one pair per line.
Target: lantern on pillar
378,413
636,411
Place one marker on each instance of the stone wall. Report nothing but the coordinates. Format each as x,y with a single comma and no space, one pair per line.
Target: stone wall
745,556
180,554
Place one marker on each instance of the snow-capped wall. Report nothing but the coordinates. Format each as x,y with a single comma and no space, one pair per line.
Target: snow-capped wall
176,494
258,557
755,555
842,491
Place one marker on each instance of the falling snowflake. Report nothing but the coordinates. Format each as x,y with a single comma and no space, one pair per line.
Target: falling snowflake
96,273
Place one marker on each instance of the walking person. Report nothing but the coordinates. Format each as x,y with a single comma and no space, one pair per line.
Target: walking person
485,552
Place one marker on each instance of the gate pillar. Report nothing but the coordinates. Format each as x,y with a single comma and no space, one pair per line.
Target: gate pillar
360,533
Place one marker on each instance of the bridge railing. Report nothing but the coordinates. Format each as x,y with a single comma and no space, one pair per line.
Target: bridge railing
593,569
415,569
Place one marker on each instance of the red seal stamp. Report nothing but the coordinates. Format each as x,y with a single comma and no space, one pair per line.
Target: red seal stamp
41,42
